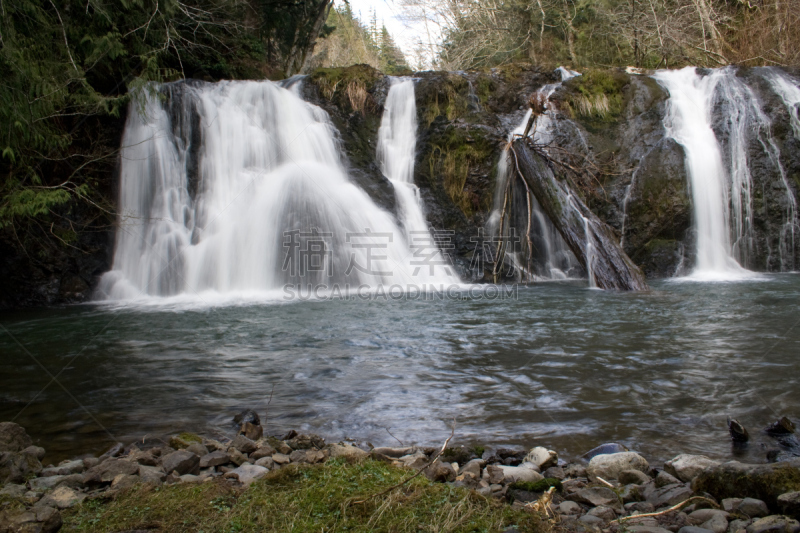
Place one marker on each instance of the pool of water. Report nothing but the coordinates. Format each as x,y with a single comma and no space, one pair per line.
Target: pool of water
557,365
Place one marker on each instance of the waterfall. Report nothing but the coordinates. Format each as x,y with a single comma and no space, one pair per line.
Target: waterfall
720,179
713,189
238,188
553,259
396,152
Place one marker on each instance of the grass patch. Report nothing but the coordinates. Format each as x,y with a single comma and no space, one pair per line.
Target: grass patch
597,94
348,86
304,498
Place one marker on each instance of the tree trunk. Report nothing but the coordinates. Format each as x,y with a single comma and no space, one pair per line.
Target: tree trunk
591,240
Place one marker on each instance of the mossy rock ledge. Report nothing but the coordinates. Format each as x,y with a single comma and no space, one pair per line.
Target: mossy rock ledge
764,481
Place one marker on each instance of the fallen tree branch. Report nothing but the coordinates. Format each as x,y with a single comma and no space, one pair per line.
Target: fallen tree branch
665,511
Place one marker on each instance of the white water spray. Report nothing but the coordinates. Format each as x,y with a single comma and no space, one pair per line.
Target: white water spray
272,203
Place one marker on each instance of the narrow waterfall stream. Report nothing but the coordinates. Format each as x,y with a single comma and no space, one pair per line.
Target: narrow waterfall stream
397,143
237,188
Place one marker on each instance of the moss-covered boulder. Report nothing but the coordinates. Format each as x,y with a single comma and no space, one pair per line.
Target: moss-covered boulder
738,480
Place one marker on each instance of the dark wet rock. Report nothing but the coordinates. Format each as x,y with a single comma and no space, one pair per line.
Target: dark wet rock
782,426
636,477
244,445
737,431
151,474
248,416
143,458
105,472
693,529
306,442
115,451
266,462
663,479
752,508
40,519
352,453
609,466
639,507
13,437
669,495
607,514
595,496
789,503
216,458
252,431
237,457
36,451
630,493
555,472
440,471
264,450
704,515
42,484
124,481
181,461
718,523
575,471
197,449
647,529
64,469
774,524
570,508
737,480
739,526
592,520
394,452
15,467
281,459
473,467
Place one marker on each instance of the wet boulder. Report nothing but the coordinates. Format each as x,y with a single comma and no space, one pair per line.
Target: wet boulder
105,472
789,504
610,466
181,461
687,467
13,437
15,467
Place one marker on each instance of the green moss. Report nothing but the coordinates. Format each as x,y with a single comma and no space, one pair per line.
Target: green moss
478,450
329,497
348,87
543,485
597,94
452,156
449,99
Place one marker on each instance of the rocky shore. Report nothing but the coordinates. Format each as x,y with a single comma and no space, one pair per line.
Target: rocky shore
609,489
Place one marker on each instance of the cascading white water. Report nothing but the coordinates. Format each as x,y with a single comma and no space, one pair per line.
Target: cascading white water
396,152
555,260
789,90
272,203
688,122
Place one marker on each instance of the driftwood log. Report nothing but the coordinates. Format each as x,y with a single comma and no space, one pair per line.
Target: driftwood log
591,240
